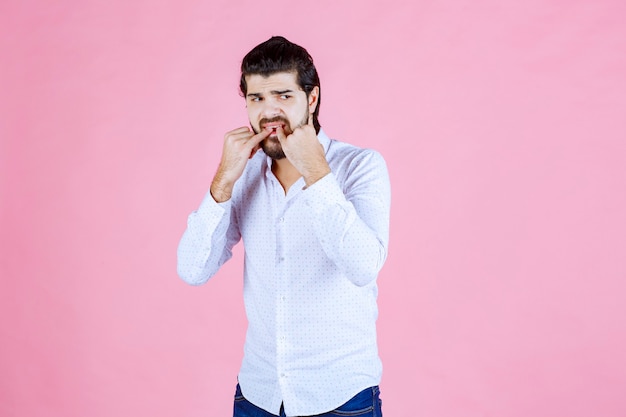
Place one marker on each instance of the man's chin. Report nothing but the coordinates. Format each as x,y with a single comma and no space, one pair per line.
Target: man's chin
270,142
272,148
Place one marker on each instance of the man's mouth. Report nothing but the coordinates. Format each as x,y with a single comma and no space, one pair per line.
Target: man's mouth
273,124
272,127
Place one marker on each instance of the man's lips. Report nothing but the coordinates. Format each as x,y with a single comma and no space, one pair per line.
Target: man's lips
273,126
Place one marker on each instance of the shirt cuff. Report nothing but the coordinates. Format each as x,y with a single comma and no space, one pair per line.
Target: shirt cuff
205,220
211,208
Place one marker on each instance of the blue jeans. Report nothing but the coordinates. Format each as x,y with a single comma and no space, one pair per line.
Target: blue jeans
366,403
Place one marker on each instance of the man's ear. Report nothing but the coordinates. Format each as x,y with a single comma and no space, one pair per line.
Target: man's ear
314,99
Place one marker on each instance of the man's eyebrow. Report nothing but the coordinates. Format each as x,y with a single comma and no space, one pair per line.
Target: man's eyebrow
280,92
272,92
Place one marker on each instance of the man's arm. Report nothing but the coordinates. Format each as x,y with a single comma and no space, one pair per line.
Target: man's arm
212,230
353,226
207,242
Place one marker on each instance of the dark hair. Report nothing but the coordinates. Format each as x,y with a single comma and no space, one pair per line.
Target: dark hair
277,54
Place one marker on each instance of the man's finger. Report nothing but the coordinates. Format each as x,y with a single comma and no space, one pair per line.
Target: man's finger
256,139
254,151
238,131
280,133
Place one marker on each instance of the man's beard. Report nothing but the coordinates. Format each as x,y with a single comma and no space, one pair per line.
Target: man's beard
270,145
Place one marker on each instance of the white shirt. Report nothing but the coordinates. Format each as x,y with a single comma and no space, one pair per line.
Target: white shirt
311,261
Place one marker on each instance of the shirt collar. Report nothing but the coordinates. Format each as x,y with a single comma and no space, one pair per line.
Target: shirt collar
324,140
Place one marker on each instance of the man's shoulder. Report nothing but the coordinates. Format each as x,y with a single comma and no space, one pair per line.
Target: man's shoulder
353,165
343,152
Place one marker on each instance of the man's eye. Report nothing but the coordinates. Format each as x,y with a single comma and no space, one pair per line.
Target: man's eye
256,99
284,96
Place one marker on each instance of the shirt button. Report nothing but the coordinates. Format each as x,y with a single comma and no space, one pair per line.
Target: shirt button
282,220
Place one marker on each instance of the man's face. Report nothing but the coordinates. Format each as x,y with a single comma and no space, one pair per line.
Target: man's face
277,100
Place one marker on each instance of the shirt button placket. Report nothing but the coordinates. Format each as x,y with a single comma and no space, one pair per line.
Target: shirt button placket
282,299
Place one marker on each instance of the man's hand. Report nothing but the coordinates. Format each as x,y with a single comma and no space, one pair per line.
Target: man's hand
305,152
239,145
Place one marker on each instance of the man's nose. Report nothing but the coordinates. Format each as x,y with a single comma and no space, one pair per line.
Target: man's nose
271,108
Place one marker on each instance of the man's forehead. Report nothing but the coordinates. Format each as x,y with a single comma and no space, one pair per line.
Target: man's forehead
272,81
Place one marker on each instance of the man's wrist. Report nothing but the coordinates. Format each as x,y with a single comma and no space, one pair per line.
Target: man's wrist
220,193
316,175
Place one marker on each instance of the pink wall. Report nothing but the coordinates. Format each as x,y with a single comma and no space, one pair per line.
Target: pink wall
504,127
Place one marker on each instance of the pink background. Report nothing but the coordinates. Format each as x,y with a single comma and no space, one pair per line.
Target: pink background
504,127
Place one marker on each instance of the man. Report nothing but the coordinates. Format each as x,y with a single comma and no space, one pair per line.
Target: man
313,214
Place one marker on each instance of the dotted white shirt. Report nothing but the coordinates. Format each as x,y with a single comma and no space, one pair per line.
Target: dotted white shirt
311,261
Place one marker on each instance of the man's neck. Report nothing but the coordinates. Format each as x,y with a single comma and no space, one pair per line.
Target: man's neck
285,172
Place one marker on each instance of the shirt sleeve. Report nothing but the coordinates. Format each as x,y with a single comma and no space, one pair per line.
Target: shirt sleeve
208,241
352,220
